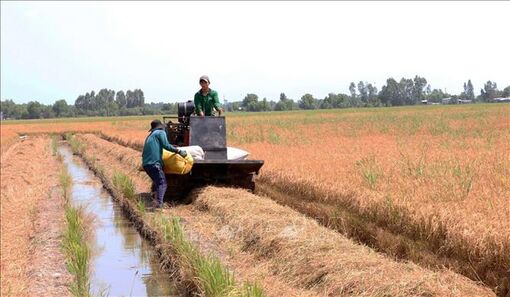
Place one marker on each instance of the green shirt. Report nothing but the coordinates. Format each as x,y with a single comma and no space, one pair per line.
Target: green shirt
153,148
206,103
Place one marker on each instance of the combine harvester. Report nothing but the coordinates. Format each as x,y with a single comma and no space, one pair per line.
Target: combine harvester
216,168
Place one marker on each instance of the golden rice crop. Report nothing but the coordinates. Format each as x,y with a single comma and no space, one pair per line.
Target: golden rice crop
436,176
432,174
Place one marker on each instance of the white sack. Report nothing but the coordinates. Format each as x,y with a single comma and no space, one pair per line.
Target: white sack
236,154
196,151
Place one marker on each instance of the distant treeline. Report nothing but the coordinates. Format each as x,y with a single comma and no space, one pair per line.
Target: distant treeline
405,92
105,103
363,94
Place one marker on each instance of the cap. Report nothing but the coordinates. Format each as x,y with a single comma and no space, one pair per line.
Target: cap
155,124
206,78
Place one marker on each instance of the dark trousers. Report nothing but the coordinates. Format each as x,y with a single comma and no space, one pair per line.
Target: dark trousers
159,184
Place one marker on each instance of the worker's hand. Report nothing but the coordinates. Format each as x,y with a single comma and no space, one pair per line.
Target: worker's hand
183,153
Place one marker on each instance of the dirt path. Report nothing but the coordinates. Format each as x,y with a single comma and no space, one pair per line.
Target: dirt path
47,275
32,263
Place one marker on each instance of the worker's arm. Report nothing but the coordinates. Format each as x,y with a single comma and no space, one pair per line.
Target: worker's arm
198,106
161,135
216,103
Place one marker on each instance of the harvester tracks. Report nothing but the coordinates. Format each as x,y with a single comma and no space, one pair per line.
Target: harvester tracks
400,242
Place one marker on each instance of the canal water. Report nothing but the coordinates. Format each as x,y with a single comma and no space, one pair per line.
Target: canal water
122,262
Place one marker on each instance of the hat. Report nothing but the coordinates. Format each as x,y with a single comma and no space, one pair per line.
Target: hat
156,124
206,78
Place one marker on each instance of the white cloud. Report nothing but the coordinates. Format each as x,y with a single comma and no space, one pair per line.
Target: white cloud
63,49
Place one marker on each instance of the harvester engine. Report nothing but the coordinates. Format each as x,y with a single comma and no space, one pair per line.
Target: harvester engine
178,133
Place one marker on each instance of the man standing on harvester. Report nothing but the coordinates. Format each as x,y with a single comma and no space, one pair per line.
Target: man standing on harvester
152,159
206,99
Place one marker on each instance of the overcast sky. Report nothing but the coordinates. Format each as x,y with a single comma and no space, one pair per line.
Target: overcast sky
55,50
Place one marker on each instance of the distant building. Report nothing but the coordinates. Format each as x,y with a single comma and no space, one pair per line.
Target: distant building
446,100
464,101
426,102
507,99
1,115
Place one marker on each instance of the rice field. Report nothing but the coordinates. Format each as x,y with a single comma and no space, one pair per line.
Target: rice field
439,177
267,245
427,184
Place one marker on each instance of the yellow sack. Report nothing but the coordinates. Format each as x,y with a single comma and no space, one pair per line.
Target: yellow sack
176,164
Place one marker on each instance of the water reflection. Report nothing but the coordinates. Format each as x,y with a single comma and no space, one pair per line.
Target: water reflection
123,263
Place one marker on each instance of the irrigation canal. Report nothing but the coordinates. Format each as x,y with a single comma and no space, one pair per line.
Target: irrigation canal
122,262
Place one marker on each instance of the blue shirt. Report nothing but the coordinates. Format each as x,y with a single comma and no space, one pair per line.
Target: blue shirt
153,148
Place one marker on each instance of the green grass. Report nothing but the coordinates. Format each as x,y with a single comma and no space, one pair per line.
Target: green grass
124,184
274,138
141,206
77,252
414,167
74,242
369,171
76,146
65,182
465,176
210,275
54,145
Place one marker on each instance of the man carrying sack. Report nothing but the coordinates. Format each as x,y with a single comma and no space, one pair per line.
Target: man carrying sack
152,160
